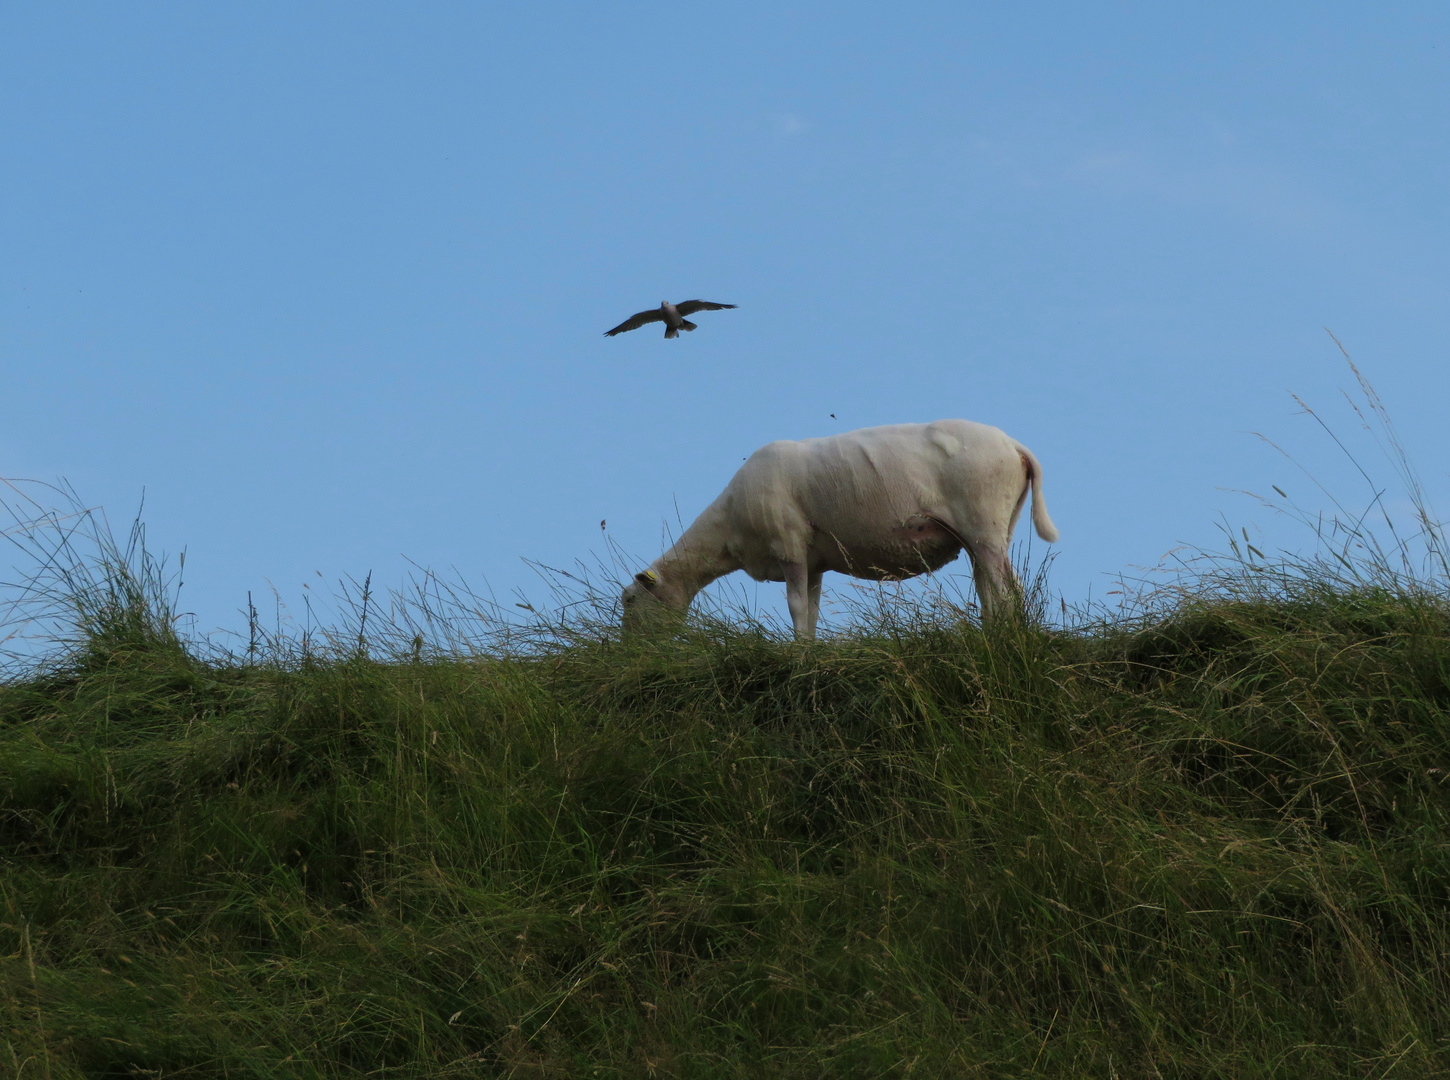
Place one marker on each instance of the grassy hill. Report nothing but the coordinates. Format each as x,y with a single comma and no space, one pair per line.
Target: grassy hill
1210,843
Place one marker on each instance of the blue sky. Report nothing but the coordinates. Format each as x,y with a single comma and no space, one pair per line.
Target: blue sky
328,281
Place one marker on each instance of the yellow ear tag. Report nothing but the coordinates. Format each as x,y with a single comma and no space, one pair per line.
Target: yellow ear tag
652,577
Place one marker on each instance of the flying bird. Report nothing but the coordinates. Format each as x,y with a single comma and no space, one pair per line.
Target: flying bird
672,315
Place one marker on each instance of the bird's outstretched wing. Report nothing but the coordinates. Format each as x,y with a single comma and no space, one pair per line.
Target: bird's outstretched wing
634,322
689,307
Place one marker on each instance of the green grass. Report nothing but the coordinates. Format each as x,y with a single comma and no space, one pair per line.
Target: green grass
1214,842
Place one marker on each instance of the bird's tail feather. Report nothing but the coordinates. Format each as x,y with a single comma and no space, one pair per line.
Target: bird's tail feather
686,324
672,332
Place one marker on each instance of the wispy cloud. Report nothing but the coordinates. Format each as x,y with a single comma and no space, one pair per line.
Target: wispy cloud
787,125
1240,187
1211,169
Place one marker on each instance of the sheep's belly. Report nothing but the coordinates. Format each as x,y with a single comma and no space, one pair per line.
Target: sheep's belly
917,547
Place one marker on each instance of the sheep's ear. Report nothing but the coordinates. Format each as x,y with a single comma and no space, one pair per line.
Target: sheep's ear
647,578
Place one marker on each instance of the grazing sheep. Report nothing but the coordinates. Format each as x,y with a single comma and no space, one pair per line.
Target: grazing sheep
883,503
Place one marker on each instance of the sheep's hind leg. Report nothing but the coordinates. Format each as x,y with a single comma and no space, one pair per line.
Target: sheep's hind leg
997,587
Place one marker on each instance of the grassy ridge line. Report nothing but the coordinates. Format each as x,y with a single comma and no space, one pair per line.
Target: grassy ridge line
1216,846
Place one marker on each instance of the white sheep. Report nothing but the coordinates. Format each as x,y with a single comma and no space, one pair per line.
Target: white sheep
883,503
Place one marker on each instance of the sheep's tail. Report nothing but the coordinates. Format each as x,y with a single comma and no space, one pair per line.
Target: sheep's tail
1040,521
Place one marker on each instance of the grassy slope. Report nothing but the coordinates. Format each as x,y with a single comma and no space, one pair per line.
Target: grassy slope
1216,847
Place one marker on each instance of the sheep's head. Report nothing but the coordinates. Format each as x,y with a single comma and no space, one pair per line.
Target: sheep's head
646,599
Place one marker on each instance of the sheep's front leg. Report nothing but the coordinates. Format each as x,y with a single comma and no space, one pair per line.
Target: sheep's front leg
813,590
798,599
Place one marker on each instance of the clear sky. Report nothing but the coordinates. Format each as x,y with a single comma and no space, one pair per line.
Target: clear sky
328,281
